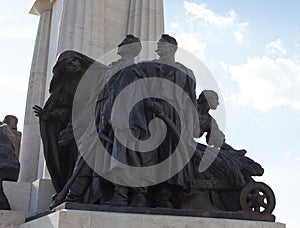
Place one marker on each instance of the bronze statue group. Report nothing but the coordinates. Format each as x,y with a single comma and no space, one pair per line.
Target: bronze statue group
218,187
10,139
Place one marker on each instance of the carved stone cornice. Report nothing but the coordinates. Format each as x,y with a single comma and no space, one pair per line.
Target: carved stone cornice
40,6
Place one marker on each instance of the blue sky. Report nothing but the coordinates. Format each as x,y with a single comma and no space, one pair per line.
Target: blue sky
252,49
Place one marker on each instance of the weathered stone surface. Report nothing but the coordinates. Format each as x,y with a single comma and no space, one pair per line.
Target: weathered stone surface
40,6
18,194
11,219
165,211
30,198
31,156
9,165
74,218
42,190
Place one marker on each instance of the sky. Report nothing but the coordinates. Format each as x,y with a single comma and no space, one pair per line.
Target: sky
251,48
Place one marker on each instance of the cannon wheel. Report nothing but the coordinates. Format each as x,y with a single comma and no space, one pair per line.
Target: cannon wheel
257,197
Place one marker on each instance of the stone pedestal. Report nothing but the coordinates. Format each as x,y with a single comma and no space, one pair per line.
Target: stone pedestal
11,219
31,198
41,193
92,219
18,195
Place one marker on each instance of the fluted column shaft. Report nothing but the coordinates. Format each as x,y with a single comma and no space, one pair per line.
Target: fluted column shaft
146,21
30,155
93,27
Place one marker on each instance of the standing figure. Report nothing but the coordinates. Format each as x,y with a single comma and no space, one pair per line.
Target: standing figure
165,67
124,72
120,74
128,49
60,149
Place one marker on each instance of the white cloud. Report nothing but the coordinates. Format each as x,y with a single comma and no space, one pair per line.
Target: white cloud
201,14
189,41
275,48
200,11
13,83
5,18
287,155
238,36
265,83
224,65
203,26
263,121
28,32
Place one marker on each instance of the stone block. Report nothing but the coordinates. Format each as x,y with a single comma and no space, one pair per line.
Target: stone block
11,219
41,193
91,219
31,198
18,195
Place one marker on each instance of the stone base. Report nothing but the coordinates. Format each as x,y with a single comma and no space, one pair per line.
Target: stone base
18,195
31,198
238,215
41,193
67,218
11,219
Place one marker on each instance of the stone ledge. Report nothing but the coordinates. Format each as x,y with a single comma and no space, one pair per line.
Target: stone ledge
160,211
67,218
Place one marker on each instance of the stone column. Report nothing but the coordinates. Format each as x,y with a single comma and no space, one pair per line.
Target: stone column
93,27
146,21
30,155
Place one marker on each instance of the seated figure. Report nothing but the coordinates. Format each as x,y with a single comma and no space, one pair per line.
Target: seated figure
219,184
208,100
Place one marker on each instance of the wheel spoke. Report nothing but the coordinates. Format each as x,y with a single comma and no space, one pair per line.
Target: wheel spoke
264,195
256,192
257,209
258,197
251,203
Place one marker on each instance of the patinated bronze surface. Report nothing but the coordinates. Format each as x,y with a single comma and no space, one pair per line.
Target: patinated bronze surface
9,164
225,189
12,132
60,148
